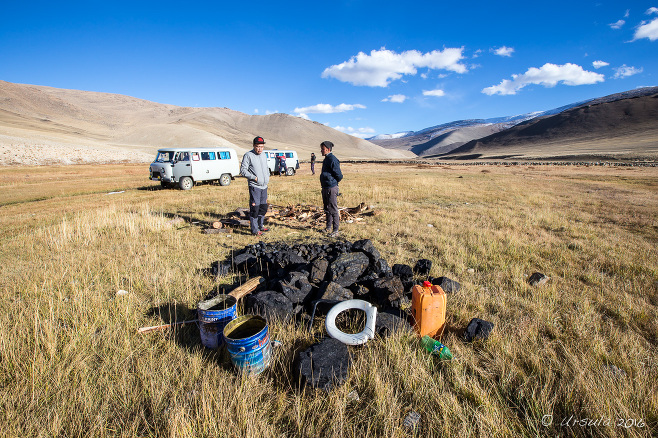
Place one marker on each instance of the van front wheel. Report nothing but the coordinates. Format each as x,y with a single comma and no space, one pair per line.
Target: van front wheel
185,183
290,171
225,179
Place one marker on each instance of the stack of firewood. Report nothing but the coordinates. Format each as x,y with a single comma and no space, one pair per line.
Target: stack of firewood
314,215
301,214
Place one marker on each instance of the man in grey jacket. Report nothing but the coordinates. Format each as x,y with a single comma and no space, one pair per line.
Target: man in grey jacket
254,168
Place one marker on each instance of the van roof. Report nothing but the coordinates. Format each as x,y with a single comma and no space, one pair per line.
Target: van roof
193,149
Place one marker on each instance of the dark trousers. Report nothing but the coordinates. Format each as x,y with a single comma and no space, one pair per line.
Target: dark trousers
257,207
313,167
330,202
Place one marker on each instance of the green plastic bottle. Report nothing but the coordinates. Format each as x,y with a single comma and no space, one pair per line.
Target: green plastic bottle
435,348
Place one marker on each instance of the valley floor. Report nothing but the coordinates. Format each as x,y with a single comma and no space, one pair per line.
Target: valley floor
576,356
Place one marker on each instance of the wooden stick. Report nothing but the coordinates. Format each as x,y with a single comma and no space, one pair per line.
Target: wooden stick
246,288
164,326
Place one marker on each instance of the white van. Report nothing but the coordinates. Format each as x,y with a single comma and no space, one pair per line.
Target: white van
292,162
188,166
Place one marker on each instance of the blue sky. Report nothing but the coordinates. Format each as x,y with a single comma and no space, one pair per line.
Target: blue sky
362,67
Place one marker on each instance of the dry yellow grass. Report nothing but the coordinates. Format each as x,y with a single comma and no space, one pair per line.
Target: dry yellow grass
71,363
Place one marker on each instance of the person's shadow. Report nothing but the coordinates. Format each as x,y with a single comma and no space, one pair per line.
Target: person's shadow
187,335
152,188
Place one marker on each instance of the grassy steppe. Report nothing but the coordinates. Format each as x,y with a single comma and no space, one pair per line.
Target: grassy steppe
582,347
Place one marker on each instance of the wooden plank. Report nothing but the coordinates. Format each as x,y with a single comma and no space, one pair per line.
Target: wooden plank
247,287
239,292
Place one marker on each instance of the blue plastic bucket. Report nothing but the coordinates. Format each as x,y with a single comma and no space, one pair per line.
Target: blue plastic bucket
213,315
248,343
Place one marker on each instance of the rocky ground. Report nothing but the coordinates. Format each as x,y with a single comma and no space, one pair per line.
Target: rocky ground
16,151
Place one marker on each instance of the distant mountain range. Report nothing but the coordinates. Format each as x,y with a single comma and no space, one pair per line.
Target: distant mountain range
623,125
43,125
441,140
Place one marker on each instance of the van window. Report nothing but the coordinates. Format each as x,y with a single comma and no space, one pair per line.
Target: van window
225,155
182,156
207,155
289,154
195,156
164,157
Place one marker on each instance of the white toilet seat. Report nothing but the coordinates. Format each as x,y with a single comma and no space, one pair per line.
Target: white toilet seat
357,338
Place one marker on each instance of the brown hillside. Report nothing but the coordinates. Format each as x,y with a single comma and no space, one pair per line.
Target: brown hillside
621,128
40,125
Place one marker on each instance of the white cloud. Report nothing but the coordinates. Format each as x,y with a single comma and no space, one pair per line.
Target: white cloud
435,93
504,51
651,11
303,116
325,108
383,66
617,25
547,75
599,64
268,112
628,13
255,110
395,98
647,30
360,132
624,71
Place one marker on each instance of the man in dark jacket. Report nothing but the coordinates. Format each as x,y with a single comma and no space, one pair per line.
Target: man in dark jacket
330,176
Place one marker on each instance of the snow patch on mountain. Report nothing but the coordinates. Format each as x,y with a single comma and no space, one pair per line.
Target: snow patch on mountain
391,136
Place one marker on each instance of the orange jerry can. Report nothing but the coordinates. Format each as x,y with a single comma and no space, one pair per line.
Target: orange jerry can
428,306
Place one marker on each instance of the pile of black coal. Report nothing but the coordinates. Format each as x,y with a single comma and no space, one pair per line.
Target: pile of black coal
299,274
304,279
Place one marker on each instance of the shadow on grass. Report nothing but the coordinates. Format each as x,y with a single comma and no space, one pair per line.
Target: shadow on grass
186,220
187,335
282,368
152,188
457,331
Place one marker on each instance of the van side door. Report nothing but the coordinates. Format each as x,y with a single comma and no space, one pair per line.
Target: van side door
181,166
205,167
291,160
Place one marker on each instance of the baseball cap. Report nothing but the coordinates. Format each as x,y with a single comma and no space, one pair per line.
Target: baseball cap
259,140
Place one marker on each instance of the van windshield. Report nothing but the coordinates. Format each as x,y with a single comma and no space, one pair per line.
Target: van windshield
164,157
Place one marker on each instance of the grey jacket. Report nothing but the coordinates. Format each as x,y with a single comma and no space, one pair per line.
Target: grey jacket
255,166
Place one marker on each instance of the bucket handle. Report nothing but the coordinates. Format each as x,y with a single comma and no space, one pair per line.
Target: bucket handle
242,349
